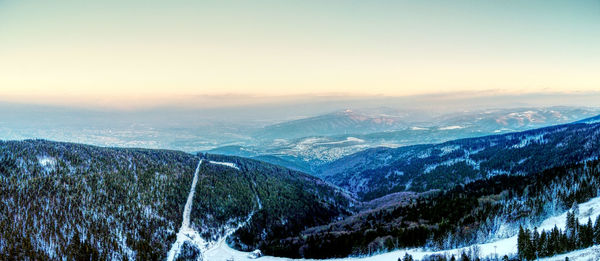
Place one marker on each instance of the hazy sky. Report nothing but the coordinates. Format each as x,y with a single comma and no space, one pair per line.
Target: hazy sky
135,52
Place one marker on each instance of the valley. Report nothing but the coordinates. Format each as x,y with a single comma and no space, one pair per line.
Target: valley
305,130
462,195
303,145
493,249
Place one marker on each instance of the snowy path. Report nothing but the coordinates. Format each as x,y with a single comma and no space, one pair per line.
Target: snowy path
507,246
186,233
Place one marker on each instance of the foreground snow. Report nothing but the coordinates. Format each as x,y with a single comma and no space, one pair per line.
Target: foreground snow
591,253
507,246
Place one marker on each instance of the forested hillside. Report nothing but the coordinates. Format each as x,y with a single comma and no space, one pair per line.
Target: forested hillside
289,201
482,210
377,172
84,202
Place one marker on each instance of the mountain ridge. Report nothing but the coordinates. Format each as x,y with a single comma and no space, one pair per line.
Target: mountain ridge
371,170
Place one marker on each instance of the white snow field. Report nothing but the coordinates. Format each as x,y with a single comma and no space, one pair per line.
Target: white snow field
591,254
507,246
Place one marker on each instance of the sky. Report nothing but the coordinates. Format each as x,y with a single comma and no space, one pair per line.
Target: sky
138,53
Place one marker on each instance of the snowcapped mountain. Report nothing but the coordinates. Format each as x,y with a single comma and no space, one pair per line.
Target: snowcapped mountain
342,122
297,146
503,120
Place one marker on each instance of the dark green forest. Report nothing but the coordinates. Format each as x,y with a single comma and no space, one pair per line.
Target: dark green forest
377,172
454,218
91,203
533,244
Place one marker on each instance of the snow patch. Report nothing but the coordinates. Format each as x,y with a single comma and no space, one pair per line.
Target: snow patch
347,140
530,140
395,173
228,164
48,163
424,154
450,162
447,149
453,127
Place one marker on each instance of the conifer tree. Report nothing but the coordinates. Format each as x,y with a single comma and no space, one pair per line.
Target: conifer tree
521,243
535,241
407,257
587,234
597,231
543,244
464,257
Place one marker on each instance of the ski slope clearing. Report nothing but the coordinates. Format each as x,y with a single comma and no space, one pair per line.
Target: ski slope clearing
227,164
186,233
507,246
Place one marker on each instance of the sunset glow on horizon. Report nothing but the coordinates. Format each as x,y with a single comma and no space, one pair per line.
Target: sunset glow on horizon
62,51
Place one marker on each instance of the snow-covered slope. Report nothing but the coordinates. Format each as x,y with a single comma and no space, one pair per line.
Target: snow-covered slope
591,253
227,164
186,233
507,246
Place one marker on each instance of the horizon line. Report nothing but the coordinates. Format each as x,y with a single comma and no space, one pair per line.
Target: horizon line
232,100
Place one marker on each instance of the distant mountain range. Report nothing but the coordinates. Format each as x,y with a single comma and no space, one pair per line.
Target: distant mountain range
360,122
380,171
308,143
343,122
